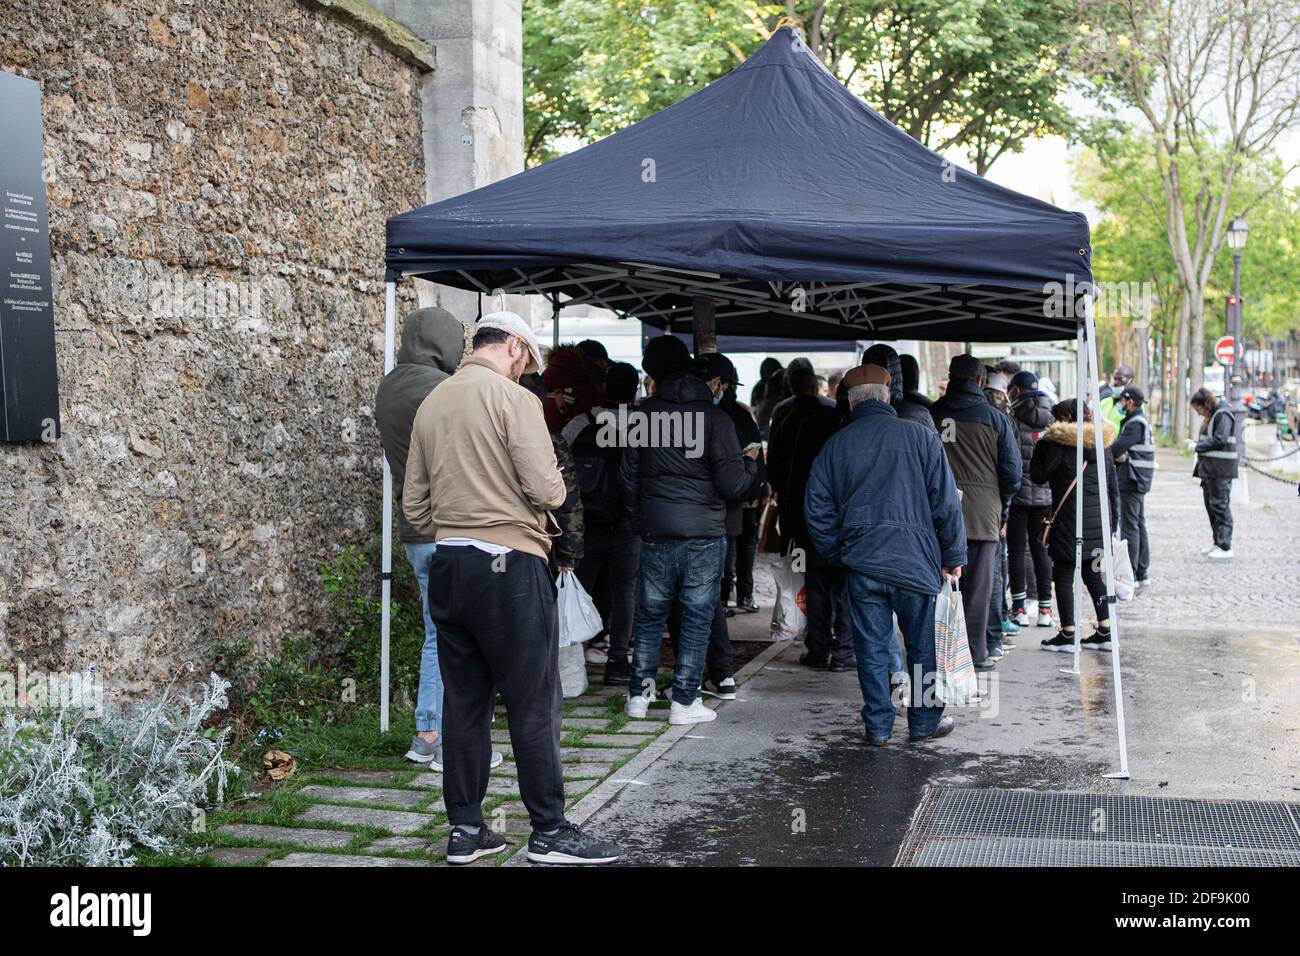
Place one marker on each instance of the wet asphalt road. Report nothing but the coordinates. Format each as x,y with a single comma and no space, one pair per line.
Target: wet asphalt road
783,775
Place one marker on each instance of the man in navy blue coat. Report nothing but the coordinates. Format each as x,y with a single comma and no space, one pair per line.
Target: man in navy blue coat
882,502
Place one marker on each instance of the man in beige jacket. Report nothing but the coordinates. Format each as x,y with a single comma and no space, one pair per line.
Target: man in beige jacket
481,478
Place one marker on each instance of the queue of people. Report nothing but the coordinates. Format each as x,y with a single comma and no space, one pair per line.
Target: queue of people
508,475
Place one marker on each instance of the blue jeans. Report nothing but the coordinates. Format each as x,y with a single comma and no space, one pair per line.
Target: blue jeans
895,652
874,604
428,702
690,570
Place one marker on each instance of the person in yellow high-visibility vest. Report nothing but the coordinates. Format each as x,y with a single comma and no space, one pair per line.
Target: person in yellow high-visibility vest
1111,410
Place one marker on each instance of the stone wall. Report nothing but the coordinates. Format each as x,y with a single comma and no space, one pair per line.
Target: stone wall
219,176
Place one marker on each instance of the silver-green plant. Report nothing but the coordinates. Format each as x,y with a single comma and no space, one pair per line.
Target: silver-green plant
76,790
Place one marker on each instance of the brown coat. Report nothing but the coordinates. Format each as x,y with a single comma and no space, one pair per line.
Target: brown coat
481,463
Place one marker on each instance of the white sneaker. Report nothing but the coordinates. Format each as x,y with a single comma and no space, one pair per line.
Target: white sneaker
1045,618
1209,549
595,655
494,761
1218,554
1021,618
637,707
696,713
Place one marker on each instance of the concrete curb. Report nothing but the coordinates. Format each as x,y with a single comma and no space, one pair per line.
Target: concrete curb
611,787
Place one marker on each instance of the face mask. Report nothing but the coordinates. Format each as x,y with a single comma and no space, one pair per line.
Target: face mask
717,399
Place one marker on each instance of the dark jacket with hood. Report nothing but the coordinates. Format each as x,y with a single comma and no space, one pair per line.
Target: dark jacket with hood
681,489
882,502
813,435
983,455
781,438
1216,447
1031,413
1053,464
904,407
433,342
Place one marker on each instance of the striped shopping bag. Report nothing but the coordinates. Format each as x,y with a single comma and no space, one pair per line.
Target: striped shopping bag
954,678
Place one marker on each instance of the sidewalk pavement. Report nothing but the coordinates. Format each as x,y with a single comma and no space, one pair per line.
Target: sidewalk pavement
1210,681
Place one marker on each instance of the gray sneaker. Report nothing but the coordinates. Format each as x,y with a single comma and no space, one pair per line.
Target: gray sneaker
425,751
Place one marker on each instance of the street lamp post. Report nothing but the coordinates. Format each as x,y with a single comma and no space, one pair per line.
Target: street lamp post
1237,232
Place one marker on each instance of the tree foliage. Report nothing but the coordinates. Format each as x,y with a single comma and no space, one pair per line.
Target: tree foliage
980,75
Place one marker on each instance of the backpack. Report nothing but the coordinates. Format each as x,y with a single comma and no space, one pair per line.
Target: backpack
602,496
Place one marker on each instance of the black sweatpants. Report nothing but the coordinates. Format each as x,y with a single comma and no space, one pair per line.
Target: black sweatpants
738,572
608,573
1218,495
1063,576
1025,538
1133,525
497,631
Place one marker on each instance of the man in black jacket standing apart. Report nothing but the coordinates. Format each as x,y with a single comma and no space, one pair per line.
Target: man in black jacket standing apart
682,465
1216,466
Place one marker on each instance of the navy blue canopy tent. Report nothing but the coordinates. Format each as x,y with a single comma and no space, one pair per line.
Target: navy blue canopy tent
782,197
789,209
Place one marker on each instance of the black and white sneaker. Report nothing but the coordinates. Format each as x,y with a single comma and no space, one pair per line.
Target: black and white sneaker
568,844
724,689
1098,641
466,847
1061,643
748,605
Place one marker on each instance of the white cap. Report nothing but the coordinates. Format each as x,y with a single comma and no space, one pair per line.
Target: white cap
514,325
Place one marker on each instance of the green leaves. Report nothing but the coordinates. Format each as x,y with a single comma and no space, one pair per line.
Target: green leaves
984,75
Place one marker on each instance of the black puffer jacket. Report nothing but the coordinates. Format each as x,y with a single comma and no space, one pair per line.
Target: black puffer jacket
681,489
1053,464
1031,413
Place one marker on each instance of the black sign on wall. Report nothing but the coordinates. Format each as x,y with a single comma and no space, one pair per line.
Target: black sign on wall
29,384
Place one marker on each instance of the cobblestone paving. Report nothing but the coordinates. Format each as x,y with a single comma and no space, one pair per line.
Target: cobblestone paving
1259,587
394,816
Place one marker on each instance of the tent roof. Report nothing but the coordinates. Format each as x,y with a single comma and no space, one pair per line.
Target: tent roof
783,197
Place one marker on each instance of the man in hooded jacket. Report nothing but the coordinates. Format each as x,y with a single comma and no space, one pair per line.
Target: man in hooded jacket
906,407
433,342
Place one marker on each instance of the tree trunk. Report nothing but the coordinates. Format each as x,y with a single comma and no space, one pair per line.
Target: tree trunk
1176,392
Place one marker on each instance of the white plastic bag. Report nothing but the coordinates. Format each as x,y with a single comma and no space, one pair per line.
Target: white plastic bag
573,671
1124,583
579,619
954,671
790,615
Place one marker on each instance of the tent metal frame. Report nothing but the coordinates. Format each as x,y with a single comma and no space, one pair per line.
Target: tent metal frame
661,296
654,281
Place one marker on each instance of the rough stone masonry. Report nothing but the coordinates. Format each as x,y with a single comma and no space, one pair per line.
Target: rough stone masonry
219,175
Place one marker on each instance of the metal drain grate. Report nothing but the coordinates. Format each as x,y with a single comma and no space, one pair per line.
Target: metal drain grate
954,827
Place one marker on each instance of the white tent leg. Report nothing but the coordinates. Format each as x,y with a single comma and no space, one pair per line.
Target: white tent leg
1108,555
386,561
1080,376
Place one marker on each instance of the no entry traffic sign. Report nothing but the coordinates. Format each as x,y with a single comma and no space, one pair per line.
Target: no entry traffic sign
1225,350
